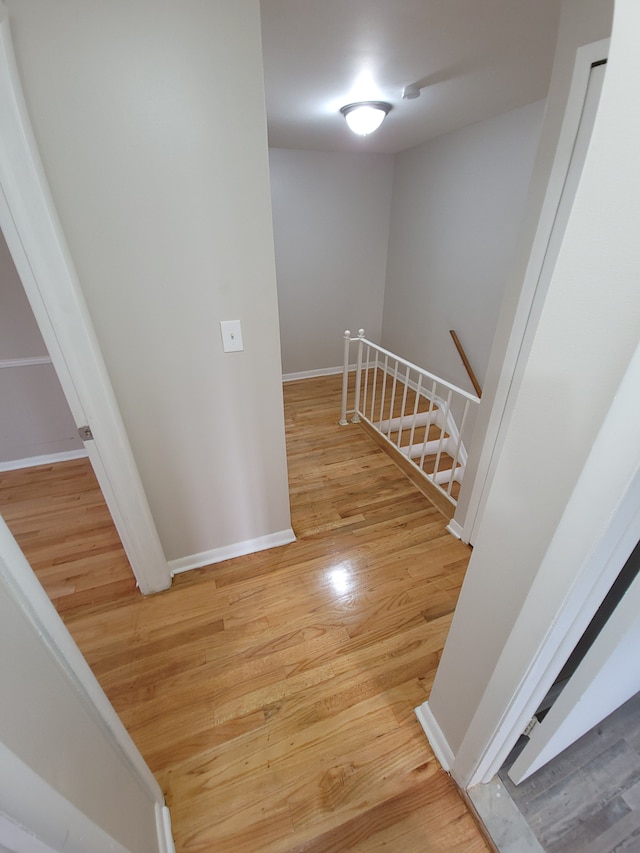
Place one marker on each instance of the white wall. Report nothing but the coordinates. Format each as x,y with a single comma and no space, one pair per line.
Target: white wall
162,188
34,416
587,23
331,225
586,335
19,333
457,207
450,227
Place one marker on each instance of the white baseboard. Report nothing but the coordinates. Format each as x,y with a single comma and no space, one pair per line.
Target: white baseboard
228,552
47,459
309,374
163,826
435,736
455,529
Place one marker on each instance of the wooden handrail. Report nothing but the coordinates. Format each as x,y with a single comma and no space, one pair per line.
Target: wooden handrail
466,363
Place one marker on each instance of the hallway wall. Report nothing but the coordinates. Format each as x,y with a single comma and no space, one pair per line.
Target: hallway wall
331,227
405,246
582,345
457,208
35,419
166,211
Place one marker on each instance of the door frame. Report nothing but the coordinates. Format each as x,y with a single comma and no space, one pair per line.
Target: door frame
608,488
37,245
57,822
532,297
602,682
597,531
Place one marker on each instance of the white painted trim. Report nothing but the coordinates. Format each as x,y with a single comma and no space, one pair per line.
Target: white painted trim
533,292
229,552
35,239
32,804
454,529
606,501
310,374
449,424
163,827
15,837
24,362
420,370
435,736
600,685
46,459
30,597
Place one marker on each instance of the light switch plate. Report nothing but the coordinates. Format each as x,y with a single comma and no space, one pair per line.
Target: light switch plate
231,335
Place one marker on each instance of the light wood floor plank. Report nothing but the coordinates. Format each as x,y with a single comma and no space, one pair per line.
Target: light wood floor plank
273,694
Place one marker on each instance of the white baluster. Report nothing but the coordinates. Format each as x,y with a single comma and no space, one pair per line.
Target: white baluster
403,407
345,379
439,413
356,417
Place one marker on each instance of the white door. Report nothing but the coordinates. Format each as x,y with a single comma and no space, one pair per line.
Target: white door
607,677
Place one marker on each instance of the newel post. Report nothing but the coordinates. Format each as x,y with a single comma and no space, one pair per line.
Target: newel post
345,379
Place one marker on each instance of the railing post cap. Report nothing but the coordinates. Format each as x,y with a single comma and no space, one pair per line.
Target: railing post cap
347,333
361,333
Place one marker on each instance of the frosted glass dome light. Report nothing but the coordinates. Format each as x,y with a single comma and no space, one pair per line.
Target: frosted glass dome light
365,117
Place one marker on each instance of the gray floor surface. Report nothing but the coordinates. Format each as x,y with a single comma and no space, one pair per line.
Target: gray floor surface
588,798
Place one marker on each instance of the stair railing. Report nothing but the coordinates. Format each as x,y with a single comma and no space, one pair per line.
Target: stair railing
466,362
394,398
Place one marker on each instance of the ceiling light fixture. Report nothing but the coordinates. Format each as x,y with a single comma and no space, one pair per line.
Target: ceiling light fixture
365,116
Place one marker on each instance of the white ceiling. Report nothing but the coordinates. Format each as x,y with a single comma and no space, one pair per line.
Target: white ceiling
474,59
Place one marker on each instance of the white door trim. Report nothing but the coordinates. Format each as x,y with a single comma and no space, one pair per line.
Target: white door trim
604,680
599,528
56,819
533,293
37,244
40,819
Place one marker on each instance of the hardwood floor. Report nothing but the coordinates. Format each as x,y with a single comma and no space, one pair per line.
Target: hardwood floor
273,694
58,515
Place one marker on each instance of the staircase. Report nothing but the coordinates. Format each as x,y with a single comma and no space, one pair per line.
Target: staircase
427,438
417,417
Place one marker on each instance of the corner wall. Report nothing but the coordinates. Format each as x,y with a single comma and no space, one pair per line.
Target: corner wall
457,208
35,420
580,24
587,333
406,246
331,226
